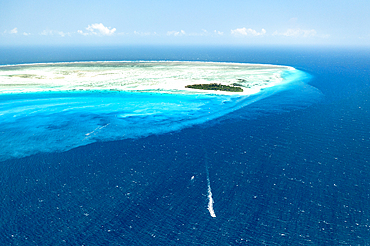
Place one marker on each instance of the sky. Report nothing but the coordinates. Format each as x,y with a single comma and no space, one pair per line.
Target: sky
233,22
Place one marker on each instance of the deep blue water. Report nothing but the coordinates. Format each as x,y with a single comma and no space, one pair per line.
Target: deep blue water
289,169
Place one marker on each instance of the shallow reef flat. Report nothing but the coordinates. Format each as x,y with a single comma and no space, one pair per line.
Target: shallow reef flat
163,77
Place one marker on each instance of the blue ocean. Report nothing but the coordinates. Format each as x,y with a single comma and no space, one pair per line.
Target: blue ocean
288,165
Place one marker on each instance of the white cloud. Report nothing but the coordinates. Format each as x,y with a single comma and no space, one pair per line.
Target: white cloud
26,34
14,31
98,29
176,33
63,34
297,33
52,33
204,32
82,33
245,32
218,32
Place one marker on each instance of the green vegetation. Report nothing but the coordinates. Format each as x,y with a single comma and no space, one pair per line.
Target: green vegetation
215,87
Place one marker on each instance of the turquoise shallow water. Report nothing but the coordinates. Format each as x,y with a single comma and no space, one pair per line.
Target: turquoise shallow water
58,121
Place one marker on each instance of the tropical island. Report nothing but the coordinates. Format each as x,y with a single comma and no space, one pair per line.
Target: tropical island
215,87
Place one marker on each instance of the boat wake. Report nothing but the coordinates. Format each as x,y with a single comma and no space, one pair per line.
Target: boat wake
210,199
209,192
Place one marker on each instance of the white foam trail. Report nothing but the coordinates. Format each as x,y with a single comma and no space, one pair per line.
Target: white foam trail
96,129
210,199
